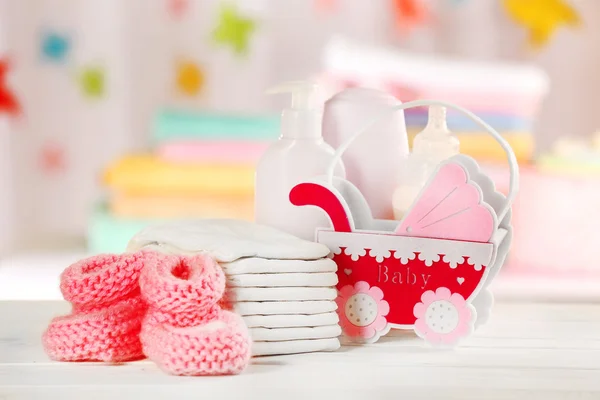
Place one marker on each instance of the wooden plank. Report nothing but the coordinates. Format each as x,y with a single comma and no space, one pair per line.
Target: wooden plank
325,371
295,392
554,355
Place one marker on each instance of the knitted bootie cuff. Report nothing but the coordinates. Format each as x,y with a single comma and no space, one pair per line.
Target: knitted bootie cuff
110,334
179,284
133,299
219,347
184,319
101,280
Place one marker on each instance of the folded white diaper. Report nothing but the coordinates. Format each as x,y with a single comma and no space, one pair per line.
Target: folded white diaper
290,321
257,265
281,334
236,294
327,279
283,307
294,346
226,240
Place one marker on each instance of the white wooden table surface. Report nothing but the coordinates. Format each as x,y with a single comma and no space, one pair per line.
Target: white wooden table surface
527,351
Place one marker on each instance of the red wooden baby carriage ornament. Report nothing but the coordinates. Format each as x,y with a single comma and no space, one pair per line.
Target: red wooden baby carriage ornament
430,271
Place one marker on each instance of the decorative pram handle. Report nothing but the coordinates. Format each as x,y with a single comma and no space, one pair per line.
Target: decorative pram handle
313,194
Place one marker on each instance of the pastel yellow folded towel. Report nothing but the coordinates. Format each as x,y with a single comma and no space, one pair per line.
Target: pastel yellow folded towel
148,174
483,147
171,207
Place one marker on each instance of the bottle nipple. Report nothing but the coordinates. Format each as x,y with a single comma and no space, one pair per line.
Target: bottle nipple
431,146
436,123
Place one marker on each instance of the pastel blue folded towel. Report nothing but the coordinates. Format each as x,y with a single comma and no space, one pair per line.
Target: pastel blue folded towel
459,122
110,234
173,125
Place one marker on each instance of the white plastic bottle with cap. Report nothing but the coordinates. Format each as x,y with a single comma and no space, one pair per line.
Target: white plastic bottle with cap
434,144
373,162
300,154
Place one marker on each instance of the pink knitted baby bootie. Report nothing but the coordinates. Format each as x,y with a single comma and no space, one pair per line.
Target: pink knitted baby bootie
107,311
185,332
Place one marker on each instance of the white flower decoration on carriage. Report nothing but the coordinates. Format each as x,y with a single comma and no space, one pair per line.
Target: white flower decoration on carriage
404,255
355,251
477,261
380,253
453,259
334,250
429,256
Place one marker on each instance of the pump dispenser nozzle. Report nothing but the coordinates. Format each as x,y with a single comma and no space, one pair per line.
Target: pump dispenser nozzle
303,118
304,94
436,140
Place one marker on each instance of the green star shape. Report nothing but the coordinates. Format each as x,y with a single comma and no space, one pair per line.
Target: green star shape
233,29
92,82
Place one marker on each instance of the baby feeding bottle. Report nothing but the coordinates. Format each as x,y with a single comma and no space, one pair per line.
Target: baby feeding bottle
434,144
299,155
373,162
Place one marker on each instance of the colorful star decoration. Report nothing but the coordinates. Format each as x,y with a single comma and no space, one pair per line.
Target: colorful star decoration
409,14
177,8
52,158
8,101
190,78
233,30
326,6
92,81
541,17
55,47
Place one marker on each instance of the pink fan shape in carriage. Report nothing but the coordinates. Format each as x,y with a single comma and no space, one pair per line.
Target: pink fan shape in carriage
450,208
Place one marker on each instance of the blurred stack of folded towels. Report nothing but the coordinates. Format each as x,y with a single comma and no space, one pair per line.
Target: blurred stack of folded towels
201,166
515,126
507,96
561,190
282,286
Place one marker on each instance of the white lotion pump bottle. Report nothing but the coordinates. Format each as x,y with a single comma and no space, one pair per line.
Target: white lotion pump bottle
299,155
434,144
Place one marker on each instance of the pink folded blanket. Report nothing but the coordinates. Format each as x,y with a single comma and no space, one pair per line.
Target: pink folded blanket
521,105
212,151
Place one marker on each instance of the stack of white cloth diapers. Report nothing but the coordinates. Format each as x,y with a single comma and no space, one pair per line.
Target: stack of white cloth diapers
282,286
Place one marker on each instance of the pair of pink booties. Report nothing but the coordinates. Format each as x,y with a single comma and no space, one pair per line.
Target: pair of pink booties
160,306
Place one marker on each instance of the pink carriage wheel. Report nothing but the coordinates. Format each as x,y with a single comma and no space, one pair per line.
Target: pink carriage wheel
221,346
110,334
362,311
182,285
443,318
101,280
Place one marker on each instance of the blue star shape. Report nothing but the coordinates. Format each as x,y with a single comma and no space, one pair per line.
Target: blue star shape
55,47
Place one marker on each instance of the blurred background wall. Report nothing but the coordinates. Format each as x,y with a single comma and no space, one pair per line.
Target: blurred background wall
71,127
